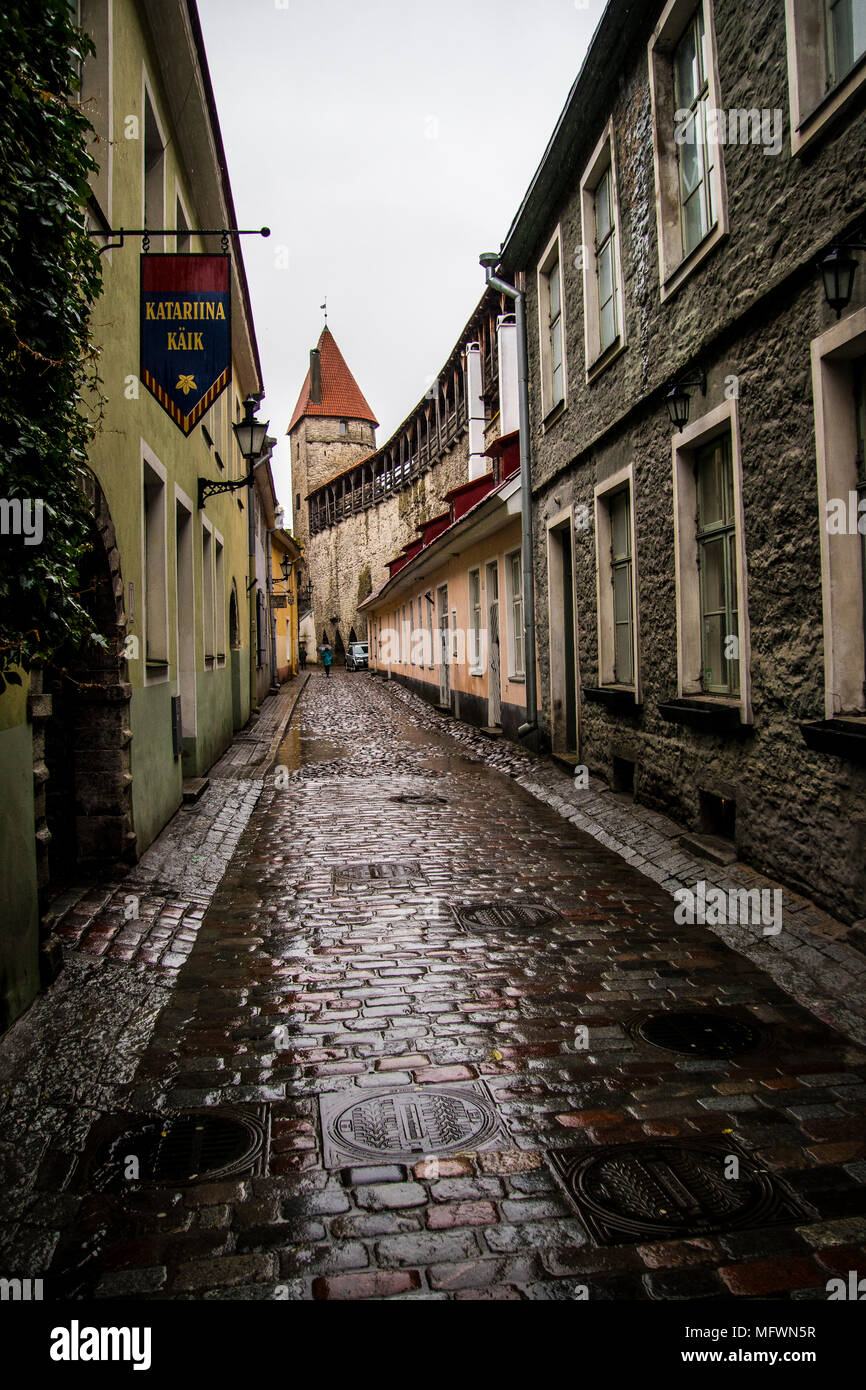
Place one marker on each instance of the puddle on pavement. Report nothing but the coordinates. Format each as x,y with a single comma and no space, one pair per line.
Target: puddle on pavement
297,750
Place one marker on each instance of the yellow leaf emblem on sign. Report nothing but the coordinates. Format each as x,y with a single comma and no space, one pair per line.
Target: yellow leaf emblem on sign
186,384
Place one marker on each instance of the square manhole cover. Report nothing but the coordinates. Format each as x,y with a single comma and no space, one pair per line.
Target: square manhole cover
399,874
670,1189
511,916
408,1122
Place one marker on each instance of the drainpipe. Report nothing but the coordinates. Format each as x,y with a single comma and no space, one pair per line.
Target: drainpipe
490,260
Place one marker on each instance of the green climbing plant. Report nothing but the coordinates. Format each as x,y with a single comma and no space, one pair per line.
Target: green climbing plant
49,279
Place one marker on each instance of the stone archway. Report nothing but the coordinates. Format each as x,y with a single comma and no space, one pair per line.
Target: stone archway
81,734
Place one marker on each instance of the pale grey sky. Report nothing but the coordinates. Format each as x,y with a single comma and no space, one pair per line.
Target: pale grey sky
386,143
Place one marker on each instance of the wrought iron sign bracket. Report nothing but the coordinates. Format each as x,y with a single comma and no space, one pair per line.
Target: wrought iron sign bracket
147,232
211,488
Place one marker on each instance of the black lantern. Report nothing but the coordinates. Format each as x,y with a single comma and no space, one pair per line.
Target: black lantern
678,400
837,271
285,568
250,433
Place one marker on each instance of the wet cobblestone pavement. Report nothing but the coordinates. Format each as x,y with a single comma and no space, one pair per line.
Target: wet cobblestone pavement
331,963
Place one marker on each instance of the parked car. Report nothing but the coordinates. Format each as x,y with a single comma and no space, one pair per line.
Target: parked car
358,656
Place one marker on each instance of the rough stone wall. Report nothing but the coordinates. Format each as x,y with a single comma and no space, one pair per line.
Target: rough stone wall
352,555
800,816
320,452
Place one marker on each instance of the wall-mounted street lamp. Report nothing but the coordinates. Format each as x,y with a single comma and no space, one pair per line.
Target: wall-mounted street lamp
838,269
250,434
678,400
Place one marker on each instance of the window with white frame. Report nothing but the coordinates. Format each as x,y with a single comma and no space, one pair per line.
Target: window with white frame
712,613
153,150
155,576
826,67
839,390
602,256
621,586
551,327
431,651
717,566
219,599
516,641
691,200
96,86
617,586
207,590
412,631
695,151
475,619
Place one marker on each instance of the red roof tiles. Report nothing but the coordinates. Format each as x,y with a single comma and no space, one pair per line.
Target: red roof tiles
341,395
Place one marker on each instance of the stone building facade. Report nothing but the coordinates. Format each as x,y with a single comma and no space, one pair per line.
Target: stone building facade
700,620
357,507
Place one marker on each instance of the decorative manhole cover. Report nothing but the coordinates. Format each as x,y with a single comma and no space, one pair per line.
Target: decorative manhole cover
401,874
408,1122
669,1189
419,799
495,916
697,1033
175,1150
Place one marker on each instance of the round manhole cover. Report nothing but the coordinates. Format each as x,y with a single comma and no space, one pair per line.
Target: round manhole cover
669,1188
179,1149
695,1033
484,916
411,1122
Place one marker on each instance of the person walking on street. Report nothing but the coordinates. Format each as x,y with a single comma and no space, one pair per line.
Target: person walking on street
302,655
327,657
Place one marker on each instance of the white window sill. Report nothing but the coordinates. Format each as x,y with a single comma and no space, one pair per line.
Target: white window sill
691,262
605,359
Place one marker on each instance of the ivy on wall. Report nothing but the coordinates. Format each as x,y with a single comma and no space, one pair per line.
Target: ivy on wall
49,279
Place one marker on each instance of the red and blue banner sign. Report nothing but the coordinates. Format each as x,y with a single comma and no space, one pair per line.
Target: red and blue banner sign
186,333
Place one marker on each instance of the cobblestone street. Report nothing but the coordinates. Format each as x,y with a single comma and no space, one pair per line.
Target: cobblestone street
329,962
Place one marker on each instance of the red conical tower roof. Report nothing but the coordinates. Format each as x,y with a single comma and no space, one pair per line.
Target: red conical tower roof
342,397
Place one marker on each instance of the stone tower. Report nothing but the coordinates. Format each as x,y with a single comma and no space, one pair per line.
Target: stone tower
332,428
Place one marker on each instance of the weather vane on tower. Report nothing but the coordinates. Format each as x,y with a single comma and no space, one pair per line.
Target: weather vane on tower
325,308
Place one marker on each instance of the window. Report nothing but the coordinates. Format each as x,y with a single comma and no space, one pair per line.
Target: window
826,48
617,584
207,587
183,241
717,565
516,661
428,599
219,599
475,619
412,631
710,558
551,327
602,257
455,640
154,172
620,573
846,37
695,157
344,428
95,18
691,199
155,578
839,390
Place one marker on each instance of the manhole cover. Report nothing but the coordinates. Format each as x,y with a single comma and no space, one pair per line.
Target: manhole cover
670,1189
402,874
493,916
419,799
696,1033
408,1122
175,1150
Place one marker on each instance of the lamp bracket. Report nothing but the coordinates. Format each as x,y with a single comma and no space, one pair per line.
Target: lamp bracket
211,487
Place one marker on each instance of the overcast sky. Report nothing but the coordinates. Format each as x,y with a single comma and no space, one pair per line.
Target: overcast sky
386,143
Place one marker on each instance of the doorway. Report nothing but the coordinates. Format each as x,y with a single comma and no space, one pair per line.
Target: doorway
494,658
563,652
444,672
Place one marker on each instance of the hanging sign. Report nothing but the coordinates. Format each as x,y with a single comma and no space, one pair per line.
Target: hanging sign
186,334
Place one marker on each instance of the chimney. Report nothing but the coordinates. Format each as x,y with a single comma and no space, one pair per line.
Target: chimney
315,377
478,464
509,416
